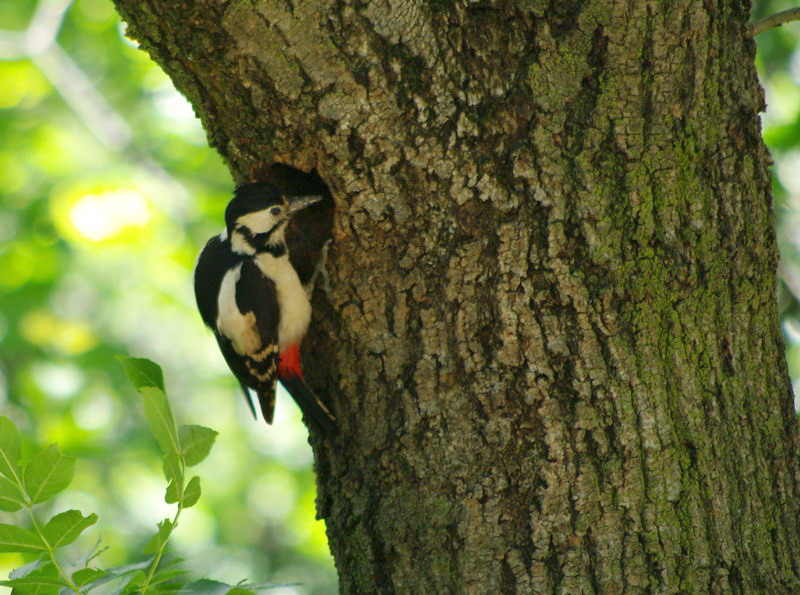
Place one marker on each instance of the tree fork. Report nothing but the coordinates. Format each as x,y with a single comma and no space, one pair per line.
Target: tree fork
552,336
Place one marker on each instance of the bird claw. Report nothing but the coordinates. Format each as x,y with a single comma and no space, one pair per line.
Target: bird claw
320,270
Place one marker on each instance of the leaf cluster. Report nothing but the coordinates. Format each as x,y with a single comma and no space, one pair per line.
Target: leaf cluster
24,485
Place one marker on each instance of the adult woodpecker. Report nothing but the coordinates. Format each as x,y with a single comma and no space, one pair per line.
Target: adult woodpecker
250,295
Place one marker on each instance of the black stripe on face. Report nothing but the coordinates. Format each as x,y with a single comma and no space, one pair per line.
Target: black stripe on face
261,241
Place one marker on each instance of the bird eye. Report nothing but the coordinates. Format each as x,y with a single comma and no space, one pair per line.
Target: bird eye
275,211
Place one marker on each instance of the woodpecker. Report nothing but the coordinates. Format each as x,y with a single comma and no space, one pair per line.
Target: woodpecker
250,295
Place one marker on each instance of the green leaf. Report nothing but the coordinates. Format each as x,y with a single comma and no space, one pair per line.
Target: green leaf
43,580
34,587
116,577
49,472
208,587
159,416
17,539
142,372
128,568
192,492
10,449
112,583
11,498
196,443
28,568
84,576
173,471
165,528
173,493
161,577
66,527
136,580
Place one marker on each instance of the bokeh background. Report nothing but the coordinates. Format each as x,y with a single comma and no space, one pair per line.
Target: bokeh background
107,192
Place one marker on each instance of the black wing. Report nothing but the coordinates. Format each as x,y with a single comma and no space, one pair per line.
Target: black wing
256,294
215,260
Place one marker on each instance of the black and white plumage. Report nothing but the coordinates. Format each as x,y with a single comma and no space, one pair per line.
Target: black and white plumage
250,295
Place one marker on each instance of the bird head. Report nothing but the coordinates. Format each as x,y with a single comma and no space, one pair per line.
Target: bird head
257,215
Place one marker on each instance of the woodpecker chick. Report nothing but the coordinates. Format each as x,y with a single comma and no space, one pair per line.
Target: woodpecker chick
249,294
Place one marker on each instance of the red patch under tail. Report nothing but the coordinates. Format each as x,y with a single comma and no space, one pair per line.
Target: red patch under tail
289,362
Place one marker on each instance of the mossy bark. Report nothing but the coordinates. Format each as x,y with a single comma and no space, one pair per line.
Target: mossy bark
551,336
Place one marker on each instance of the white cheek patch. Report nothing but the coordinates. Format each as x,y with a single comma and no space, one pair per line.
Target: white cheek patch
258,222
240,329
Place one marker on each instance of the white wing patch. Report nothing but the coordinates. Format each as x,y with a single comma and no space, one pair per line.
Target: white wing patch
240,328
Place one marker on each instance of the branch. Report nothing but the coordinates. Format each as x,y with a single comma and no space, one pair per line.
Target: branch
776,20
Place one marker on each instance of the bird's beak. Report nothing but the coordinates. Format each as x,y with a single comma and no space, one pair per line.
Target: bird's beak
297,203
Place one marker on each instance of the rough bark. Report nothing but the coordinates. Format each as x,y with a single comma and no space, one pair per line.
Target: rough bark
552,335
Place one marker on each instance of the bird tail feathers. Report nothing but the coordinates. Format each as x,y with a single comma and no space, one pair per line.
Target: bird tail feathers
266,399
313,409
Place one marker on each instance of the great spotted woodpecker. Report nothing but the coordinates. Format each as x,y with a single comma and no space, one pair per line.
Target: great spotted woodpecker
251,296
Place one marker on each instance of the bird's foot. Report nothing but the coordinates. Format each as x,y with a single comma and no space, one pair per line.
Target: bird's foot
320,270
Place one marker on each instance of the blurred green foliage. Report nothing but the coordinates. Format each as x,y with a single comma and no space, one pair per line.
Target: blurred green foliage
28,484
107,193
778,62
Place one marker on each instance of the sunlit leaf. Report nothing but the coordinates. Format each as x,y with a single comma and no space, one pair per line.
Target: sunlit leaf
159,539
173,471
128,568
17,539
22,81
105,215
173,493
66,527
192,492
209,587
44,580
136,580
142,372
67,336
10,496
36,586
49,472
164,576
28,568
159,417
196,443
10,448
84,576
114,578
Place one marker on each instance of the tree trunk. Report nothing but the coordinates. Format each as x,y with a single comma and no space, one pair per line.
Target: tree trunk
552,336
